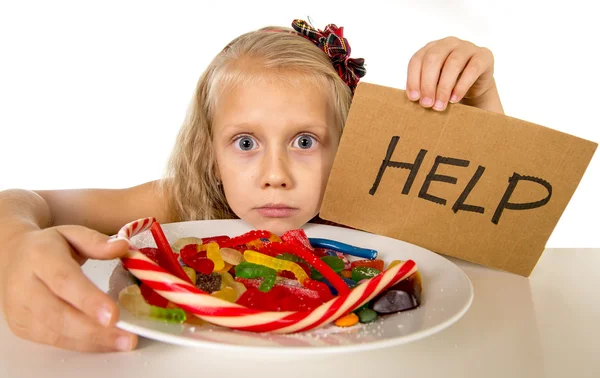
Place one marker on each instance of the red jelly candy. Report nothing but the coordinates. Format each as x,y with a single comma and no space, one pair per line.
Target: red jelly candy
246,298
306,268
217,239
297,235
279,298
190,252
249,282
286,295
246,238
232,271
241,248
377,264
272,249
320,252
293,303
152,297
286,274
274,297
201,264
320,287
252,298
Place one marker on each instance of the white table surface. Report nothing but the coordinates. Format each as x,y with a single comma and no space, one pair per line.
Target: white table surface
546,325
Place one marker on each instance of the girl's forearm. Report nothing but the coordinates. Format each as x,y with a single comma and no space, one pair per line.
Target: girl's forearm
22,209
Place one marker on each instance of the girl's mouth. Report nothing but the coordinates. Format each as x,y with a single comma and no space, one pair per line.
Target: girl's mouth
276,210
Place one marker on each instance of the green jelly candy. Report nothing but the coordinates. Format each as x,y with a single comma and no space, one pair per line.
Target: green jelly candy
251,270
334,263
366,315
267,283
360,273
365,305
315,275
172,315
290,257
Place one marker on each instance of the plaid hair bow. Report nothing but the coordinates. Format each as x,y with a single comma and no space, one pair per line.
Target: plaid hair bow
332,42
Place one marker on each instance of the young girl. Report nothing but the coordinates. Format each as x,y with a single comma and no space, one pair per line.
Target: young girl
258,144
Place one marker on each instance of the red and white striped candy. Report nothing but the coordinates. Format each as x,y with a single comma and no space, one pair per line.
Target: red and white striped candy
231,315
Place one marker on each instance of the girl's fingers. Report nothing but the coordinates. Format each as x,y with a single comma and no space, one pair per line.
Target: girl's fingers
413,78
479,63
448,70
46,319
433,61
67,328
92,244
64,278
63,275
453,66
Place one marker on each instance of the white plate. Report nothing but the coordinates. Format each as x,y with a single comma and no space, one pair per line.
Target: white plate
447,295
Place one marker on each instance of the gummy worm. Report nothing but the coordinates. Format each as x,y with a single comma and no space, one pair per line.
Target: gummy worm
250,270
277,264
348,249
245,238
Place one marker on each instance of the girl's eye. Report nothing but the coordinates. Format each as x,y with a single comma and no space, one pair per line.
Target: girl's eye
304,142
245,143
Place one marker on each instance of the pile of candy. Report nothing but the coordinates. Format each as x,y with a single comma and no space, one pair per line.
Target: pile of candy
268,273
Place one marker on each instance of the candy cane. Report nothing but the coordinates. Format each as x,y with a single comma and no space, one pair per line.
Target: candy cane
231,315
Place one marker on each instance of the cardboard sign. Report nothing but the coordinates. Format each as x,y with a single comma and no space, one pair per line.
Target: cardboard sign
466,182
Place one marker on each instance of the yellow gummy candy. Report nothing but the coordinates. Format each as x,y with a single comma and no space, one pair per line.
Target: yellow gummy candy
212,252
228,294
277,264
191,273
228,281
239,289
225,268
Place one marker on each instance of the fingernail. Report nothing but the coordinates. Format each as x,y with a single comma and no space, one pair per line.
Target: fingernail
104,316
454,99
426,101
438,105
123,343
413,95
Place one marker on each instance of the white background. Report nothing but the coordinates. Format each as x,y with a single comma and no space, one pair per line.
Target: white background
92,94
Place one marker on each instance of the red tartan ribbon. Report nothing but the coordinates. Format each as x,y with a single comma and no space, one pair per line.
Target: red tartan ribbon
332,42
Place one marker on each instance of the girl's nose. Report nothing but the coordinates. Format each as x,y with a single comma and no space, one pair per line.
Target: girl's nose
276,171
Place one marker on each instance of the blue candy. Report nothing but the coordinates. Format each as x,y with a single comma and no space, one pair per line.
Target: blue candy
334,292
348,249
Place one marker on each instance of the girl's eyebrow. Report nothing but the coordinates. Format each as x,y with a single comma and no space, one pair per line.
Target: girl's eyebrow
301,126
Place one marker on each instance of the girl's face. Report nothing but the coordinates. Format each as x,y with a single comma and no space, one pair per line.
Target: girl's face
275,145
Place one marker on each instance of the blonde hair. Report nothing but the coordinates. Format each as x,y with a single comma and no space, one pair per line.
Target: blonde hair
191,185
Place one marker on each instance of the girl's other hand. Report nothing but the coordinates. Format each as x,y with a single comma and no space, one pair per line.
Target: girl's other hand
47,298
453,70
